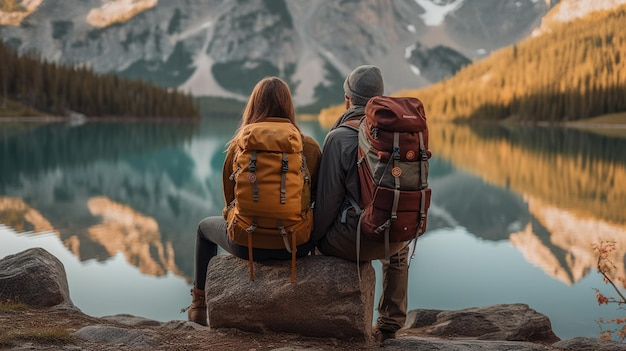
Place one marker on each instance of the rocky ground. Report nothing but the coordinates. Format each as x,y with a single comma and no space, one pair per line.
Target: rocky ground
36,278
69,329
54,329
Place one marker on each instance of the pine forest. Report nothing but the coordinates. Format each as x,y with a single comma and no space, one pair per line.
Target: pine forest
61,90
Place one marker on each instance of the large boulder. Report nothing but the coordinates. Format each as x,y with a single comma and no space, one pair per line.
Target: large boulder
509,322
327,299
34,277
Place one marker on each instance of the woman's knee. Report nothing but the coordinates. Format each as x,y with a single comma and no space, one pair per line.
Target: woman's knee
211,226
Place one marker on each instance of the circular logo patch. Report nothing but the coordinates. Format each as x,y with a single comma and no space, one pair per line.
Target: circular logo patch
410,155
251,178
396,171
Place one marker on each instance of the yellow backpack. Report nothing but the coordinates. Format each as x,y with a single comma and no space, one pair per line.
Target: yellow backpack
272,206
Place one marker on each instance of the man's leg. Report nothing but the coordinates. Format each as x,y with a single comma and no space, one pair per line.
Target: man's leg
393,302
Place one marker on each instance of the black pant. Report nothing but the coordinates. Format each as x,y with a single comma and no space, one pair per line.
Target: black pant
212,233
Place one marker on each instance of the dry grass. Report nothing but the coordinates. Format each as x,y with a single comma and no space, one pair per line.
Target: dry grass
37,334
10,108
611,125
13,306
613,118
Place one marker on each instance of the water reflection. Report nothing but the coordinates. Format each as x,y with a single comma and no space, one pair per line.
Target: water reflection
108,187
564,191
574,170
489,212
137,191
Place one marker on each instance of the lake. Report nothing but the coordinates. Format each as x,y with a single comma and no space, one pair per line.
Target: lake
514,214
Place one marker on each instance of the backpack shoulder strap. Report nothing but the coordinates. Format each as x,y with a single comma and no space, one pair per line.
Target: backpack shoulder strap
352,123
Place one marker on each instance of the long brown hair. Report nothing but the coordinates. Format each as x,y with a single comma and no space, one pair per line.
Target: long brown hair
271,97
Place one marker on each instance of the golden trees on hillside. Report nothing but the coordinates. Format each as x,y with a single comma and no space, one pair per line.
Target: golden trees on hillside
574,72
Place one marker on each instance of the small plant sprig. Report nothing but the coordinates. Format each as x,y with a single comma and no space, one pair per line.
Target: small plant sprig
606,267
12,305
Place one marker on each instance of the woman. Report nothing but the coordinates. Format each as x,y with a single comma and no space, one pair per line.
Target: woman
270,101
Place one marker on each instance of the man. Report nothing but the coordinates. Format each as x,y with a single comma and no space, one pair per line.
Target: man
335,219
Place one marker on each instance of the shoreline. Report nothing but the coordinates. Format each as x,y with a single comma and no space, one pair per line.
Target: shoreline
595,125
51,119
54,119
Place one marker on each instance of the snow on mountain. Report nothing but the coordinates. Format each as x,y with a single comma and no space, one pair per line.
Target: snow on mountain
117,11
436,11
569,10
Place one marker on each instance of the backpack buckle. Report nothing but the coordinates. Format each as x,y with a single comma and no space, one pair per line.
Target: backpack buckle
383,227
396,153
374,132
282,230
251,228
285,164
252,166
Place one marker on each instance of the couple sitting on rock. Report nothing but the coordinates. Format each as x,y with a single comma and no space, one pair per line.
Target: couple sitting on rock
329,179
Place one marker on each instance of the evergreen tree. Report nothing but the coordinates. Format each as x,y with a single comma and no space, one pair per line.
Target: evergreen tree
58,89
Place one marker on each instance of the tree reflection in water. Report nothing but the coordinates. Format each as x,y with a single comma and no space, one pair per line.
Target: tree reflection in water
139,189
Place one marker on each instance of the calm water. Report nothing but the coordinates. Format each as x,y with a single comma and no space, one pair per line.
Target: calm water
514,214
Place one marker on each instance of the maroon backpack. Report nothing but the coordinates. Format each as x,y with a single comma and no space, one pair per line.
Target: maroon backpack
393,168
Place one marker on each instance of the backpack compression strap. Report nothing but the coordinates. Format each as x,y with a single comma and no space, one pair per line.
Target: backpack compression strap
359,212
423,159
283,178
424,185
396,191
250,260
290,248
293,257
249,230
252,169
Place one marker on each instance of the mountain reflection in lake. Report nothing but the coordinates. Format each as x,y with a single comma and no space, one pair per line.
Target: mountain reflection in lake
513,217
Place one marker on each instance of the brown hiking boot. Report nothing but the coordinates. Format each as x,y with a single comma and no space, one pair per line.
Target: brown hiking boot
380,335
196,312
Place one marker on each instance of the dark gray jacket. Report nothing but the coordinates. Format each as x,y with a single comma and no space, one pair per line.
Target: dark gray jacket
338,175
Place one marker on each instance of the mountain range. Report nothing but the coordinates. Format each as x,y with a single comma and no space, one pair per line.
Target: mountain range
221,48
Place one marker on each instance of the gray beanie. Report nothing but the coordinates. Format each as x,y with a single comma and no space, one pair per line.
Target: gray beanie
364,83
